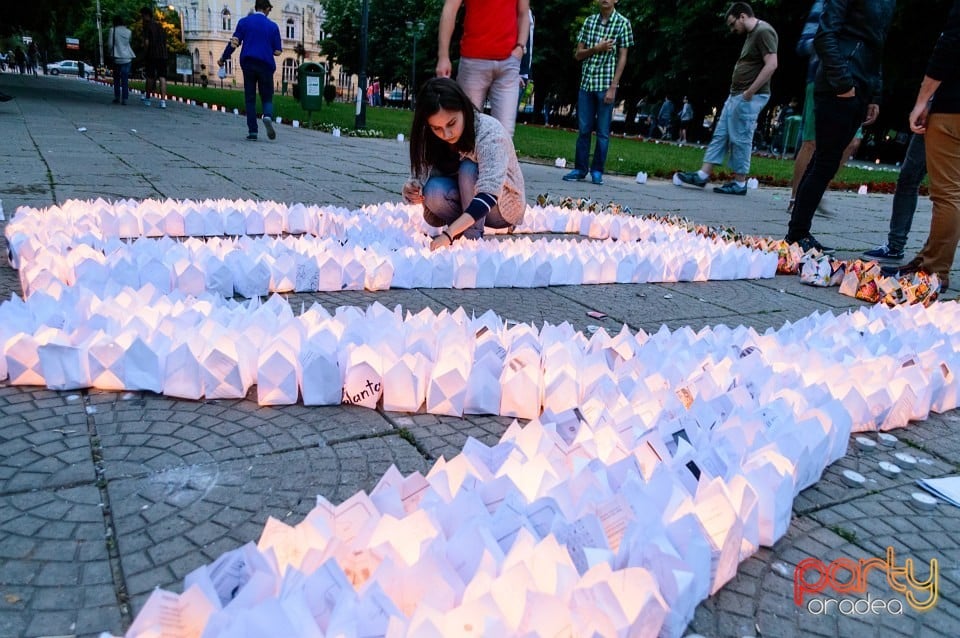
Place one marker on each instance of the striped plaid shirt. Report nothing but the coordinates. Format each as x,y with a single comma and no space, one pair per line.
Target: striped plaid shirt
598,69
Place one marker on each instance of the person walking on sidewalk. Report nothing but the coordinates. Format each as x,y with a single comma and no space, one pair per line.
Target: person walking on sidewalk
494,41
847,91
936,114
122,53
749,93
155,51
912,172
602,47
686,117
260,38
463,164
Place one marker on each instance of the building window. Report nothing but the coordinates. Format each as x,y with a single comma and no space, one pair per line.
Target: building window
291,29
226,20
289,70
196,59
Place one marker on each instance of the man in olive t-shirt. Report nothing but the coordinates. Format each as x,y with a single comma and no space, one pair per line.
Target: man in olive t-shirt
749,93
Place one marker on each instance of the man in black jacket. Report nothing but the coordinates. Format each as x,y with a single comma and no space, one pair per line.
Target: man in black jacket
846,94
939,121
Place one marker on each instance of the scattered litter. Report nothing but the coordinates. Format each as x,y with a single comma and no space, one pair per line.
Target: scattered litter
641,294
782,568
82,129
853,479
73,397
91,409
560,162
923,501
64,432
947,488
906,459
595,314
668,296
592,329
133,130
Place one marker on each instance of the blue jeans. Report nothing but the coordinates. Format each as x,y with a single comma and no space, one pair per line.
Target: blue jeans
736,125
445,197
593,114
912,172
837,120
121,80
257,76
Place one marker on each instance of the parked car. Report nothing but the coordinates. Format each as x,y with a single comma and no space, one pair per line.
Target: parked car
396,97
68,67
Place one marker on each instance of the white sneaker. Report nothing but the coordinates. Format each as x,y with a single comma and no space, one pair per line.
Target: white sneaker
163,104
268,124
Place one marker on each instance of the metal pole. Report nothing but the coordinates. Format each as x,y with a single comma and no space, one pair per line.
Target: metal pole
361,116
413,72
100,38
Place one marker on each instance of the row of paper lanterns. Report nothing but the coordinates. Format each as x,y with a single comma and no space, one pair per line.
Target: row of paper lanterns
189,347
652,464
353,253
616,516
253,267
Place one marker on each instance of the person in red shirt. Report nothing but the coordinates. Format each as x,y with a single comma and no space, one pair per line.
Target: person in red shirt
494,40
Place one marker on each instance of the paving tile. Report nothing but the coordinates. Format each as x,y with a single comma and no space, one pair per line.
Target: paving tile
55,576
154,513
149,433
44,440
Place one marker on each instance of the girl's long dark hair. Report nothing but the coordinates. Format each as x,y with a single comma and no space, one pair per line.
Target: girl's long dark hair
426,149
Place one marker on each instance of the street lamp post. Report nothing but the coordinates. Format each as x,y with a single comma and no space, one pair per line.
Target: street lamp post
416,30
183,27
360,120
99,39
183,34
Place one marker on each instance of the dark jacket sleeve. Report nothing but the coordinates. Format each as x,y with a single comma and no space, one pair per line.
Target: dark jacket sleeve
944,63
833,59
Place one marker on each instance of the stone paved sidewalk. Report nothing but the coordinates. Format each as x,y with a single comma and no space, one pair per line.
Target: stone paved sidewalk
104,496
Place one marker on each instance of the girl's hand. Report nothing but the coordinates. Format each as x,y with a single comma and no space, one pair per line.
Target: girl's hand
439,242
412,192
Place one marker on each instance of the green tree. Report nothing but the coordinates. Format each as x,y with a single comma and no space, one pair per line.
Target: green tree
390,43
129,11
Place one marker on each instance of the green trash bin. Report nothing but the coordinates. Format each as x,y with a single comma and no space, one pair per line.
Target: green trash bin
791,133
310,77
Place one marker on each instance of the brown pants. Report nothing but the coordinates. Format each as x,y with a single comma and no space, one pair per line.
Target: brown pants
943,165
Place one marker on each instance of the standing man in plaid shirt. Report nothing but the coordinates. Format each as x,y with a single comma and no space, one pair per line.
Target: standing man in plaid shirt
749,93
602,47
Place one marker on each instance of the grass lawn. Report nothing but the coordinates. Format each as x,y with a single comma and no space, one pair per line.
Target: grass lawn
627,156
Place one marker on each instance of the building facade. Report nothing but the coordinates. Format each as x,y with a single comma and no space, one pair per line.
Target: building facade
208,25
